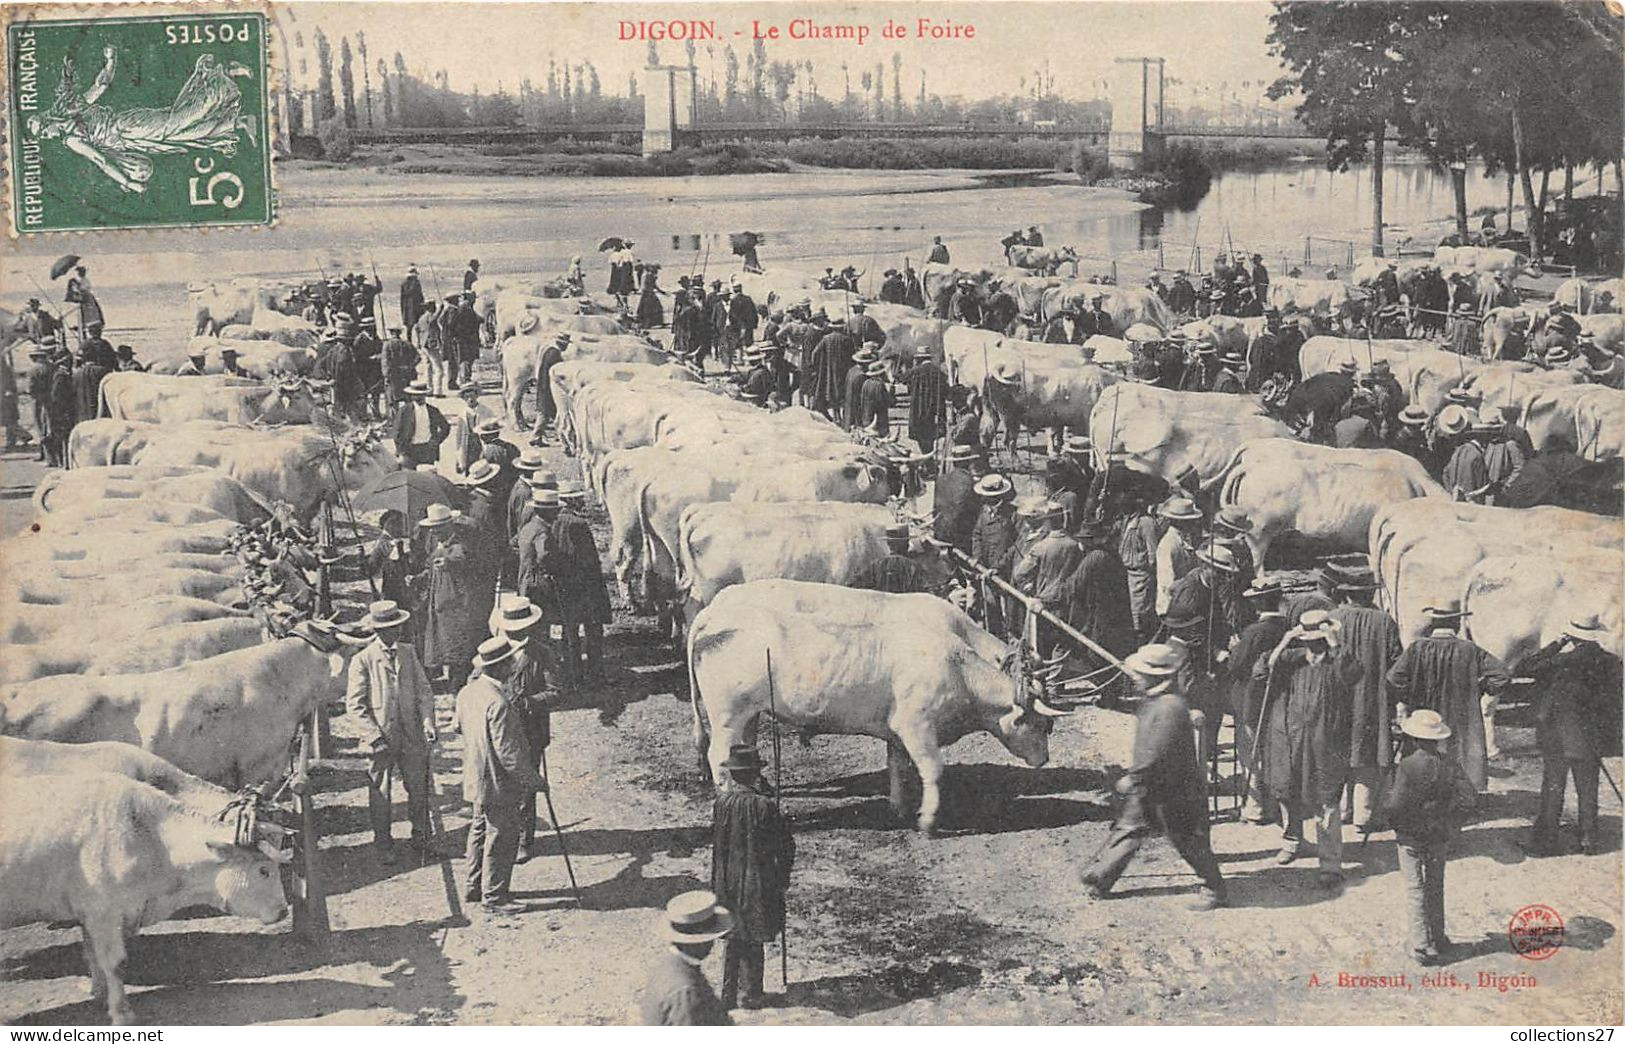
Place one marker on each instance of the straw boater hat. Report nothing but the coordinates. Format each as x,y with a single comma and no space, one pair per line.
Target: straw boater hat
1425,724
1180,509
1414,415
696,917
530,459
1453,420
544,479
488,429
517,613
1318,625
544,498
571,491
481,472
863,355
876,369
1487,423
1233,519
494,650
963,453
438,515
1450,610
1219,556
1233,359
1156,660
1078,446
1262,586
417,389
1586,629
1558,354
756,351
384,614
529,322
993,486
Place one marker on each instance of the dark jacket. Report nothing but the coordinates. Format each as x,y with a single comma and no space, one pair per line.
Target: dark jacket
1306,731
1577,709
1447,673
752,850
678,995
403,428
993,541
1097,600
956,506
1164,770
1428,798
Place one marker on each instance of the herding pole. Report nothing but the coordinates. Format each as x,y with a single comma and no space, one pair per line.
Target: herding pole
558,831
778,789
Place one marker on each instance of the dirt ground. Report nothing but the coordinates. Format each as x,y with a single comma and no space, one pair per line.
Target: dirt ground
984,924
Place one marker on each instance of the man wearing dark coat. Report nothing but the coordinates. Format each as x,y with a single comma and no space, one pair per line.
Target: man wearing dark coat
927,400
443,590
531,688
1371,637
752,850
939,252
784,379
583,596
1308,695
39,393
892,289
1445,672
1163,787
742,319
539,554
851,409
485,541
1095,599
953,499
466,329
398,361
915,296
1576,725
498,776
64,405
337,364
899,572
87,384
1256,641
413,444
863,329
716,316
412,301
875,401
993,543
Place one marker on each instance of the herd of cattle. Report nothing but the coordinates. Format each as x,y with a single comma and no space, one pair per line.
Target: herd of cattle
151,671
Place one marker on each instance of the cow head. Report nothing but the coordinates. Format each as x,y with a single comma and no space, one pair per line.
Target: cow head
1025,728
248,881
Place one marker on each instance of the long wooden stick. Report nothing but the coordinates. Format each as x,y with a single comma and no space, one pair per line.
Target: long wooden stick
778,790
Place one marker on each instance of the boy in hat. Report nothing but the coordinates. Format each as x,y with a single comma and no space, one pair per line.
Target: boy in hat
1576,725
1309,687
1163,786
1426,804
1445,672
752,850
499,775
387,693
676,993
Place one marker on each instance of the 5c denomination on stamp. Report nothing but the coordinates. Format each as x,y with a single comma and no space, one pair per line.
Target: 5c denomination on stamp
155,121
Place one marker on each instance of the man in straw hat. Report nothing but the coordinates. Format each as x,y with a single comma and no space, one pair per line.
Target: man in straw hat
1309,689
531,688
1370,637
1176,550
499,774
993,541
1576,725
538,549
1445,672
527,466
417,428
444,595
752,849
852,386
1163,786
954,502
1246,694
1426,805
1044,567
387,694
1094,599
677,993
875,401
1466,476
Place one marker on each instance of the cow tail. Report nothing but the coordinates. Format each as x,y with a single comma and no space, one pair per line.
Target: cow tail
1225,473
43,491
646,539
682,575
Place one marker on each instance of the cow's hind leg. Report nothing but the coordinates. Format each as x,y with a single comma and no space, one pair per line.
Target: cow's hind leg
98,981
922,748
106,943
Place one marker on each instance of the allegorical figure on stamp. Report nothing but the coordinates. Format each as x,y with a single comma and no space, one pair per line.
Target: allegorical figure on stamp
206,114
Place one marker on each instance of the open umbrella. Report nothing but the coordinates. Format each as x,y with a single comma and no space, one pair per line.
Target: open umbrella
612,243
63,265
409,492
1564,479
740,242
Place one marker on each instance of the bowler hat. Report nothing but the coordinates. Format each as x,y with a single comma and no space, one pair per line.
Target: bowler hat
696,917
1425,724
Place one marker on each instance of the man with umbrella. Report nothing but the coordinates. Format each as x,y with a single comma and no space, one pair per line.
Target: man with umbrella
752,849
388,695
417,427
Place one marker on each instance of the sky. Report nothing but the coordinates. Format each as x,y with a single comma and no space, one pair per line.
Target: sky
484,44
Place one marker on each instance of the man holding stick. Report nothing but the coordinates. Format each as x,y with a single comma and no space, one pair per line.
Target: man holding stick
752,850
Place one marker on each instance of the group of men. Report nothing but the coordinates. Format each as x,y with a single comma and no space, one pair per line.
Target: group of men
721,320
65,388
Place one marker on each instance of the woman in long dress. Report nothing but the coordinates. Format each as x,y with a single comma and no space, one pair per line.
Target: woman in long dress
206,114
651,313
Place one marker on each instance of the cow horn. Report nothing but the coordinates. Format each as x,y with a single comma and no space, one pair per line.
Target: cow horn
274,854
1040,707
1048,672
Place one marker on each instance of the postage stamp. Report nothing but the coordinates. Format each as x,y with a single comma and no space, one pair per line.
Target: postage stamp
155,121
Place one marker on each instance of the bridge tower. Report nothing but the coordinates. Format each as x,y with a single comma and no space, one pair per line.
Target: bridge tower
1136,96
668,108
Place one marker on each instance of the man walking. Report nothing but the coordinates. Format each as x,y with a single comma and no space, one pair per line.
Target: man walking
387,693
498,776
1163,787
752,850
677,993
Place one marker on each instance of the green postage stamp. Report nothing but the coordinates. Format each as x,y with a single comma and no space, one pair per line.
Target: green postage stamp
156,121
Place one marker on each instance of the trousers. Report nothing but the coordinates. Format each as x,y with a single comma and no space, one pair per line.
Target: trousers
411,766
437,371
538,731
493,841
581,639
1139,820
1554,782
742,958
1328,832
1422,866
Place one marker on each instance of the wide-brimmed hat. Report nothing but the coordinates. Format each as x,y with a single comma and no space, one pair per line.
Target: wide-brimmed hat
515,612
1142,332
562,338
488,428
993,486
1453,420
530,459
1233,359
863,355
963,452
1233,519
1318,625
1425,724
696,917
1558,354
528,322
1180,509
543,497
1414,415
1487,423
416,388
1450,610
1157,659
571,491
494,650
1219,556
1078,446
1262,586
1587,628
385,613
437,515
743,757
481,472
1462,395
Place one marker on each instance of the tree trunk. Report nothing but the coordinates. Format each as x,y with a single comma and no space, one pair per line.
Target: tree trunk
1458,184
1531,218
1509,200
1619,177
1377,144
1568,184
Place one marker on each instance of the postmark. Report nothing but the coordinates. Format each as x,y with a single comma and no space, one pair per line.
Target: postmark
1536,932
156,121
